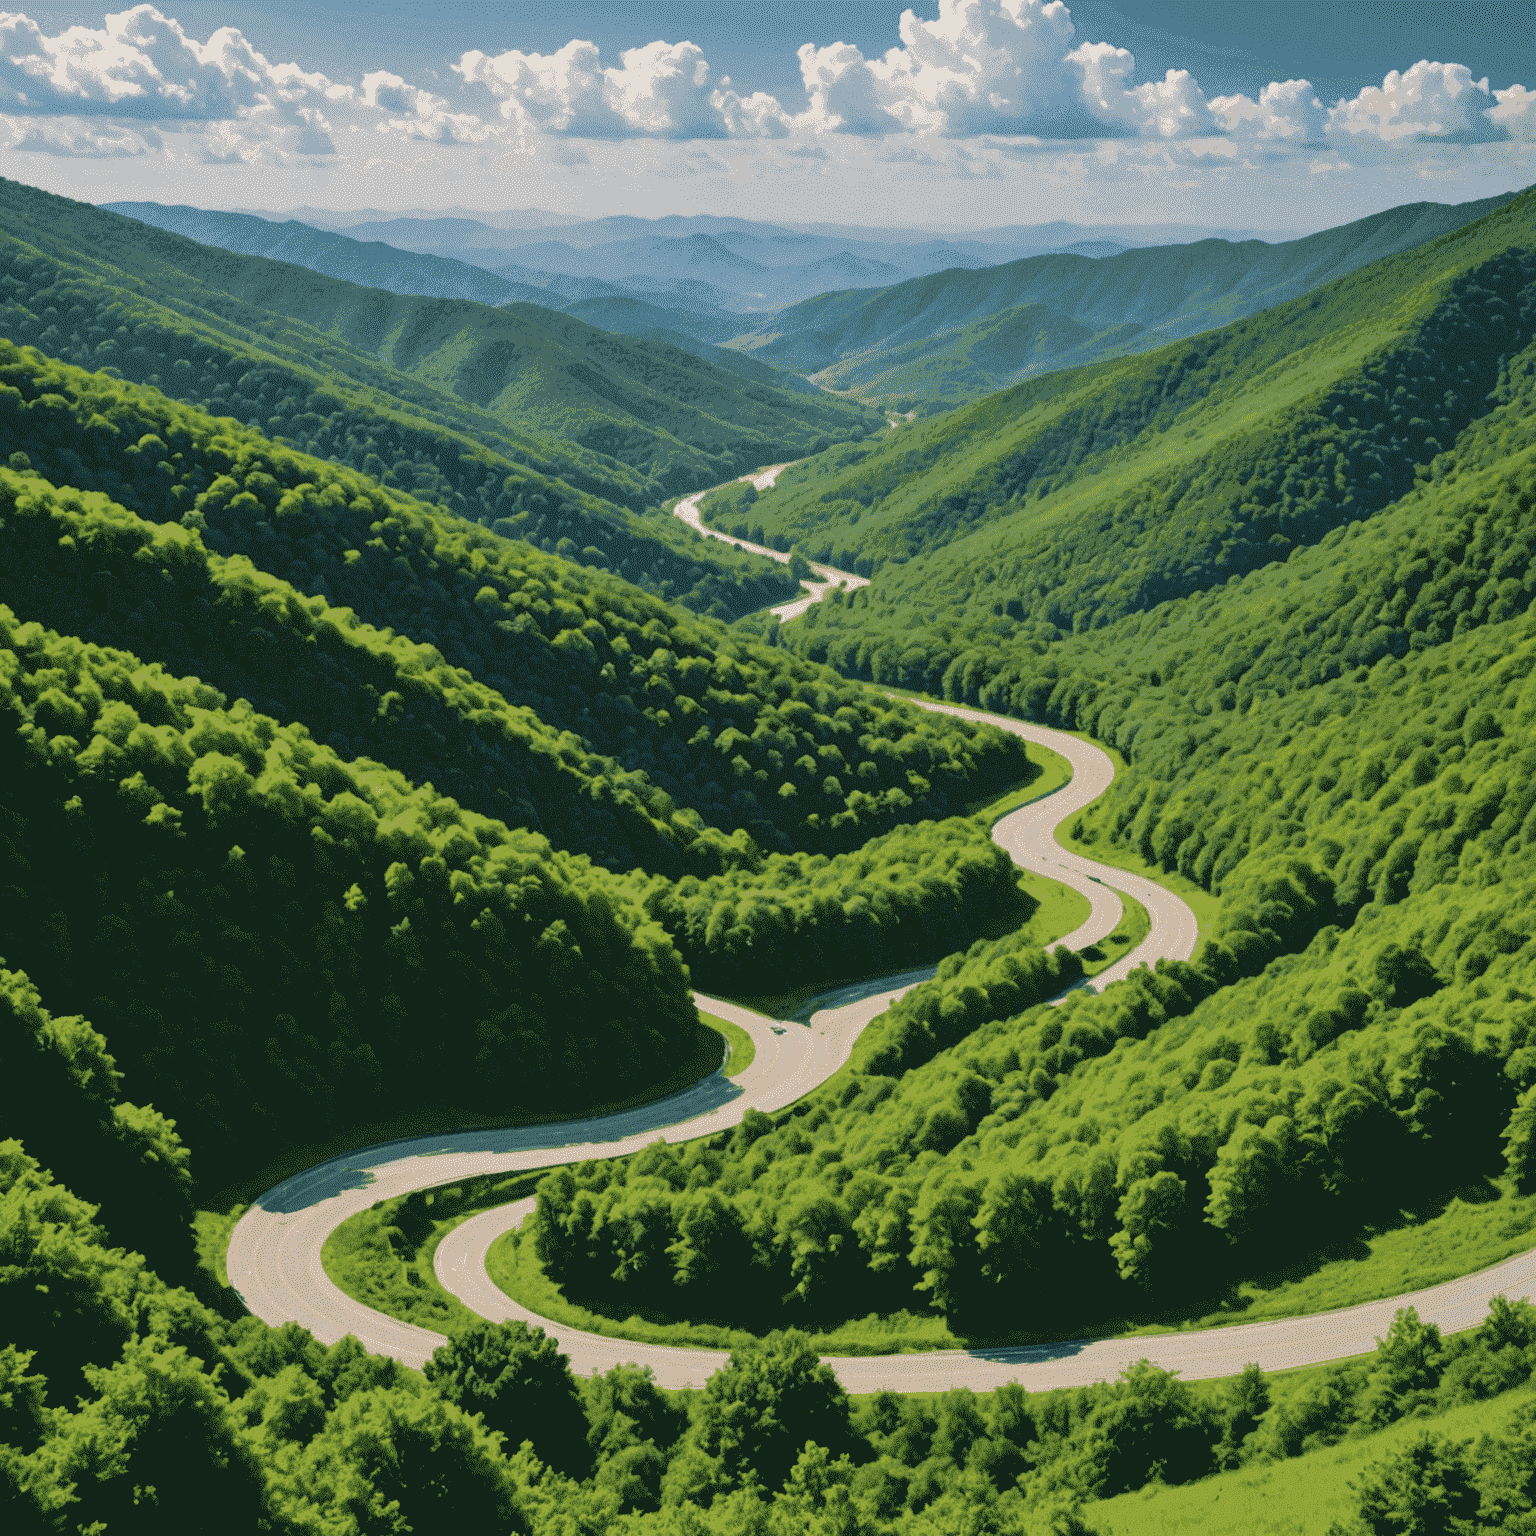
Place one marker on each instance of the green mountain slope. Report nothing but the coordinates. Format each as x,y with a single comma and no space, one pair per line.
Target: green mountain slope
66,293
536,691
961,334
371,263
1341,746
1071,501
673,418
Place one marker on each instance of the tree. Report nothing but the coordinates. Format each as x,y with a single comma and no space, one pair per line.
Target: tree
758,1412
516,1377
1407,1369
1150,1425
157,1449
1150,1209
1427,1489
1520,1136
1246,1402
390,1461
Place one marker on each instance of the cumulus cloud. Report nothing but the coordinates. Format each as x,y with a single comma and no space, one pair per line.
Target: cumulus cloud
1428,102
417,114
661,91
1287,112
141,66
997,67
79,139
847,92
1515,114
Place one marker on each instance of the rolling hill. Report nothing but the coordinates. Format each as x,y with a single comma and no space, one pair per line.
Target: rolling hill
371,264
959,335
522,365
1076,499
104,291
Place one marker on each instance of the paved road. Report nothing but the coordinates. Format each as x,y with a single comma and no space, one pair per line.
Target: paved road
830,578
275,1253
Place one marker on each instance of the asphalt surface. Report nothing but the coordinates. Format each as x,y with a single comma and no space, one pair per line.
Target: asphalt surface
275,1253
829,579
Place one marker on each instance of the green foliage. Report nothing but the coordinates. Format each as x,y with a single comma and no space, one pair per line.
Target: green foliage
902,899
671,717
290,895
1090,497
60,1096
756,1414
959,334
518,1382
638,418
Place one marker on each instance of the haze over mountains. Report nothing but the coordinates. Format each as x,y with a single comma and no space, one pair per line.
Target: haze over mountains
958,335
698,264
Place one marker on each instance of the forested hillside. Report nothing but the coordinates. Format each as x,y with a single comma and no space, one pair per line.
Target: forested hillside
960,334
105,292
1314,643
368,262
324,805
276,555
1090,495
666,417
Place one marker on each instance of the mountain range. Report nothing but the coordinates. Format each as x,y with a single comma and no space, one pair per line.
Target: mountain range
378,759
958,335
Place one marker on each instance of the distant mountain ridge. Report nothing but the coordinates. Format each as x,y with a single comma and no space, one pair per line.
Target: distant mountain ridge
957,335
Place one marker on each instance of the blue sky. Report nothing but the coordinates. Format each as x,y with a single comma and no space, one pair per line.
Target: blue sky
956,113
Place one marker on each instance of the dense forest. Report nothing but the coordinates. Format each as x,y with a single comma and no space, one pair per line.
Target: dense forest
935,341
1338,744
106,293
1072,502
127,1405
86,284
299,751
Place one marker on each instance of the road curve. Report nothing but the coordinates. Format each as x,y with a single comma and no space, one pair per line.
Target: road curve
830,577
275,1253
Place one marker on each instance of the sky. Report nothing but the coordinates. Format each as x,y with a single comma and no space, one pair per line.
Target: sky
952,114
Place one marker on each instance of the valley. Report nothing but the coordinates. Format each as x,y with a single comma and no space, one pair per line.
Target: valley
1067,711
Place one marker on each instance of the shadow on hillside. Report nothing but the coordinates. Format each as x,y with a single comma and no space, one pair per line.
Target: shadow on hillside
352,1170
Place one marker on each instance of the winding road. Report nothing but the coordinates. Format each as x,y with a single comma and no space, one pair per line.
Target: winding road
274,1258
829,578
274,1254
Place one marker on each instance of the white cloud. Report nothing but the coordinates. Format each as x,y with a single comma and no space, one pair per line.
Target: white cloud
1427,102
418,114
559,92
848,94
1287,112
1170,108
661,91
997,67
1515,114
78,138
140,65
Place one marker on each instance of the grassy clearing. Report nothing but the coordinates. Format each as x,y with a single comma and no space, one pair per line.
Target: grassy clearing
515,1269
742,1049
391,1270
1301,1497
1051,772
1062,910
1133,927
1465,1235
1475,1228
1086,834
